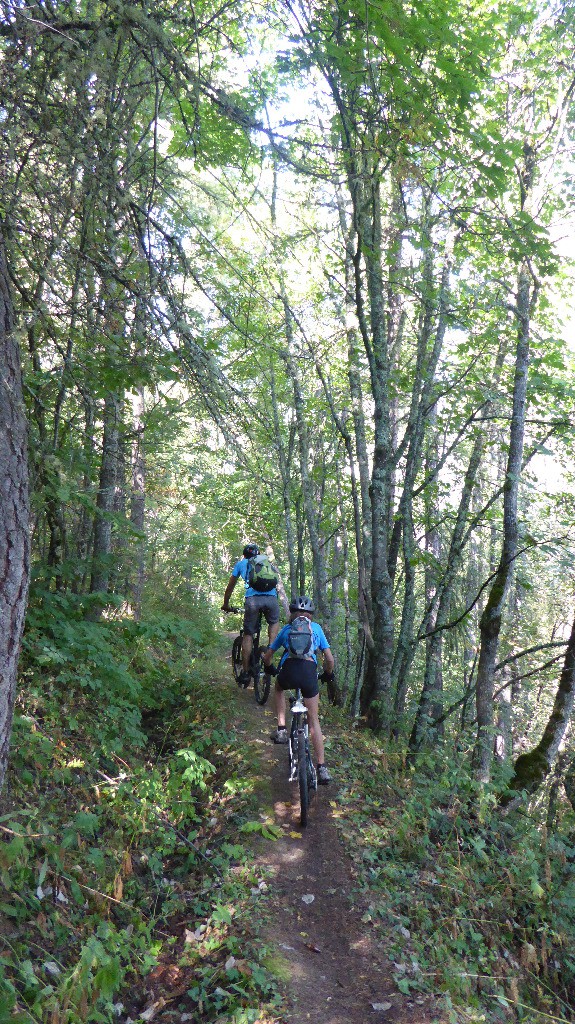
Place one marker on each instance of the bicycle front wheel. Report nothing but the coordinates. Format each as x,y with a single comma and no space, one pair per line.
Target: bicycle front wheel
237,658
302,777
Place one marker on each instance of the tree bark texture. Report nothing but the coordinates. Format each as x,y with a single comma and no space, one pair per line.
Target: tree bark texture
105,500
138,499
532,768
284,465
376,695
14,512
490,623
420,412
320,585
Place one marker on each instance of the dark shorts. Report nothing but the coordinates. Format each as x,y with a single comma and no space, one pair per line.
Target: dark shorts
264,604
297,672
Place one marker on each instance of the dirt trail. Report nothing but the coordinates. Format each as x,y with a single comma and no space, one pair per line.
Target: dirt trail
337,971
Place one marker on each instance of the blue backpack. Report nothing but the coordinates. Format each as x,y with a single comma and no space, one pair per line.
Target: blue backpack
300,639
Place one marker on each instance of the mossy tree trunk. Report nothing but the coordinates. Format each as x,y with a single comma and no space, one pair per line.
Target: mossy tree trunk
531,769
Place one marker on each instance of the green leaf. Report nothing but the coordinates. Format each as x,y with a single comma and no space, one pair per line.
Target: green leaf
108,979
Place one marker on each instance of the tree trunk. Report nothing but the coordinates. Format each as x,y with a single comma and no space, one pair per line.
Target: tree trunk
284,468
138,499
345,592
376,695
420,413
105,502
317,552
490,623
85,525
439,608
531,769
14,512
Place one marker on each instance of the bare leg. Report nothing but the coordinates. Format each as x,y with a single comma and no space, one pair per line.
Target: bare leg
273,632
247,645
280,704
312,705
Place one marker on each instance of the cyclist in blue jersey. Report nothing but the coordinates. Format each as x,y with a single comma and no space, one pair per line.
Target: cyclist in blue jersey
298,668
261,598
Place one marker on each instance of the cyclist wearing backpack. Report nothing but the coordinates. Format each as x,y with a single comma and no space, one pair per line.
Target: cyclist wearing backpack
301,638
261,579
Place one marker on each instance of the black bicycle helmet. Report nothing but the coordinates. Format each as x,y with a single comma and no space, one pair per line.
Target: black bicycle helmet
251,550
302,604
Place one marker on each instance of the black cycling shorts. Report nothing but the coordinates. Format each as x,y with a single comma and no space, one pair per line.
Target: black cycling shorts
264,604
297,672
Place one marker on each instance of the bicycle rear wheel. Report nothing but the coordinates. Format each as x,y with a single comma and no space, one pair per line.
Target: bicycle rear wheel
262,682
237,658
311,773
302,777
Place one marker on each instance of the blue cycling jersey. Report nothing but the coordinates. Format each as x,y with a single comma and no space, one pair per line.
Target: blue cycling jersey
320,642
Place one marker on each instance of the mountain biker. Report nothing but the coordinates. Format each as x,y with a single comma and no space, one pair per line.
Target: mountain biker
297,669
256,601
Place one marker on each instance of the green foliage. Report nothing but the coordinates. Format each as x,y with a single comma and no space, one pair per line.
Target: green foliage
481,908
106,858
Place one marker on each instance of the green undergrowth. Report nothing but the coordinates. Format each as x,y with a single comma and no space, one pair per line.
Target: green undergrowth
127,885
473,906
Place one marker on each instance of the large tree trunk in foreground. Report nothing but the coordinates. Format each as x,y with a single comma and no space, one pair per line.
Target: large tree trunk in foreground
14,512
531,769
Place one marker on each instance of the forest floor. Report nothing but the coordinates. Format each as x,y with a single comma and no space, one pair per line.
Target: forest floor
310,918
174,883
336,972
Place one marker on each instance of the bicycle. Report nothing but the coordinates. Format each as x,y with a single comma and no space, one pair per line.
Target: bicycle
262,682
301,766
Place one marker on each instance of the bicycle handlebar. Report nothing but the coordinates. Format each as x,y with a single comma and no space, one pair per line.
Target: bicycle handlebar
236,611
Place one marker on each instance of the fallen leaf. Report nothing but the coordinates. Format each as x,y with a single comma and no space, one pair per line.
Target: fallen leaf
152,1010
295,835
382,1006
230,963
308,898
51,967
314,949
